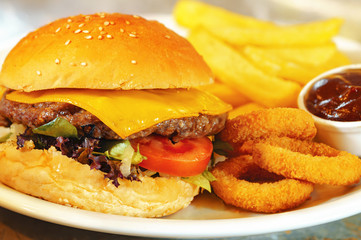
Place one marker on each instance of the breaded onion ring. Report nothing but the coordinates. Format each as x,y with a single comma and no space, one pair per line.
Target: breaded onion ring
281,122
240,182
306,160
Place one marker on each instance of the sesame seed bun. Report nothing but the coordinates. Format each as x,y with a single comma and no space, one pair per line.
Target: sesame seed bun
103,51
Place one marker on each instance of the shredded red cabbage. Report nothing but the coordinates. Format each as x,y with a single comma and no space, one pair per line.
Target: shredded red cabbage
82,150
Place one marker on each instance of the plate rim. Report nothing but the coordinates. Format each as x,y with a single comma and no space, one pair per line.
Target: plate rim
329,211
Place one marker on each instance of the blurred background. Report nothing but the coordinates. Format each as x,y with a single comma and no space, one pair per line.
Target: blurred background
17,17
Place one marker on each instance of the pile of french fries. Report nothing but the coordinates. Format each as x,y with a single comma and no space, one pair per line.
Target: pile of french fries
257,63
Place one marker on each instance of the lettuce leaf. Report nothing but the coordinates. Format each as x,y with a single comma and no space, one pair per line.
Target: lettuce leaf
59,127
202,180
5,137
121,150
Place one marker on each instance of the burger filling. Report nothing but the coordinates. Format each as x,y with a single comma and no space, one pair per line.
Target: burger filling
103,155
80,135
88,125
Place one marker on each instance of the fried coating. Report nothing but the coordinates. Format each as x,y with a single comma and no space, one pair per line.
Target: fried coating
278,141
307,160
281,122
240,182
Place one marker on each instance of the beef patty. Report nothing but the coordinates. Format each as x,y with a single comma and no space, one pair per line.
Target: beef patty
35,115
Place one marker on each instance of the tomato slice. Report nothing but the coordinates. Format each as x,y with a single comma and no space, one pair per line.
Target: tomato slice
187,157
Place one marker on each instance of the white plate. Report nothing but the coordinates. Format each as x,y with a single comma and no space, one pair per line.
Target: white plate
207,216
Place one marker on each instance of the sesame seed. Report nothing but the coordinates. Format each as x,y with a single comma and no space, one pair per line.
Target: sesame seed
67,26
58,29
87,18
101,15
67,42
72,64
85,31
77,31
103,32
100,37
122,30
132,35
88,37
127,22
112,23
106,23
101,28
167,36
38,73
136,16
81,25
69,20
57,61
134,62
84,64
109,36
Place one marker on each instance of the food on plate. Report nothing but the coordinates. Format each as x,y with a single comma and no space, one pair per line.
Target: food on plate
226,93
307,160
235,70
278,141
242,183
287,69
264,123
106,116
53,177
311,56
266,62
246,108
307,34
194,14
336,96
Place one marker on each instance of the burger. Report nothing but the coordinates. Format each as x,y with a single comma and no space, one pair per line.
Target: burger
102,113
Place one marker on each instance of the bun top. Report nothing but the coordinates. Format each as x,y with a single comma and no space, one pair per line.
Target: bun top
104,51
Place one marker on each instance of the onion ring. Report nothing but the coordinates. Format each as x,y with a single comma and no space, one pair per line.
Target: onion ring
307,160
281,122
240,182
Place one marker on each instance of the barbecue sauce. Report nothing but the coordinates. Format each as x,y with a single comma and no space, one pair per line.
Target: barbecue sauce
336,97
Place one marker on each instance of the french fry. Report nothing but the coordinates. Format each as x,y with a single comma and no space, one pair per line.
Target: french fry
192,14
280,67
291,70
339,59
307,56
261,60
256,60
233,69
226,93
309,34
243,109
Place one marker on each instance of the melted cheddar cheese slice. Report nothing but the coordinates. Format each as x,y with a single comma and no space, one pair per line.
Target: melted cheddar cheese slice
130,111
2,90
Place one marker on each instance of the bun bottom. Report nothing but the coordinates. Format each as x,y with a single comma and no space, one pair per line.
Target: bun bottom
49,175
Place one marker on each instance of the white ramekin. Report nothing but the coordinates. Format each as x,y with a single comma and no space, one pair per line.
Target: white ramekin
340,135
